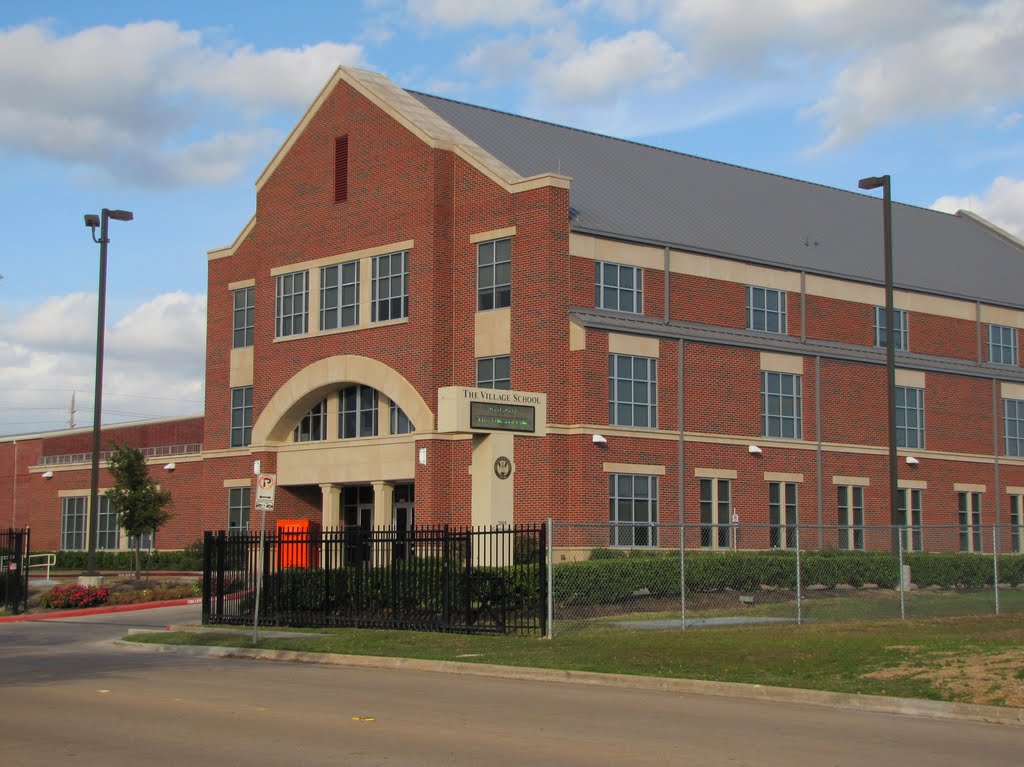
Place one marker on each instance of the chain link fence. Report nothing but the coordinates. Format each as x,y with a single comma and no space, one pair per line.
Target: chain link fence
612,577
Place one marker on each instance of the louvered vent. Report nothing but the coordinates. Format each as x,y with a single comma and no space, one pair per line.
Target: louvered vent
341,168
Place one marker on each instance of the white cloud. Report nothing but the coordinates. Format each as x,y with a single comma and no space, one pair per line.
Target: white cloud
154,362
1002,204
498,13
131,101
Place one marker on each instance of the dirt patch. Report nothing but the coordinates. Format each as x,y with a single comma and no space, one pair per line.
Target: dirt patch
990,678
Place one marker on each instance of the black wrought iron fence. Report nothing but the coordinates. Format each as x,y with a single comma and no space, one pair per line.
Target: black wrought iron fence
468,580
14,550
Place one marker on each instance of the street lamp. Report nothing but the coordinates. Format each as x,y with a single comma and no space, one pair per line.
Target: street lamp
92,221
873,182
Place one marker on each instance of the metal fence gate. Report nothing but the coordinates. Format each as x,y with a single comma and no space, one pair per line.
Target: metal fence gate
14,549
468,580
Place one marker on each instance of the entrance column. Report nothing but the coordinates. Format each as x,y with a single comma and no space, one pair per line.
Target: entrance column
383,496
330,509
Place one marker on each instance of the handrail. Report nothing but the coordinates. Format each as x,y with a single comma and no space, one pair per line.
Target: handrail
50,561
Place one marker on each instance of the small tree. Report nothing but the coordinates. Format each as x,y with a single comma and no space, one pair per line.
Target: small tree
138,502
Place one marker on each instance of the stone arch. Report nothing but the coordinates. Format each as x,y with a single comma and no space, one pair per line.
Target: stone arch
311,384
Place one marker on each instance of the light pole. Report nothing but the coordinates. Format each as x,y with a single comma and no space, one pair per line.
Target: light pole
873,182
92,221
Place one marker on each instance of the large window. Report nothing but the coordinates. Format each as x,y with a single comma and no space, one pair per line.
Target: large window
313,426
339,296
900,335
400,423
494,274
1016,525
241,416
715,513
633,510
909,417
780,405
72,524
243,320
238,510
1013,426
1002,345
357,416
390,283
291,312
146,542
619,287
494,372
851,516
969,512
908,518
108,531
633,391
782,515
766,309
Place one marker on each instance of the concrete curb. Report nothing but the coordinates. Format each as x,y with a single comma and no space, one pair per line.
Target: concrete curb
57,615
870,703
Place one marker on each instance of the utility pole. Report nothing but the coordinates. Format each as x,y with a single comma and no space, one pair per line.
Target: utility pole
71,416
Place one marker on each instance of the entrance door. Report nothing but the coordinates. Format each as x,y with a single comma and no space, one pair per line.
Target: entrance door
402,513
357,514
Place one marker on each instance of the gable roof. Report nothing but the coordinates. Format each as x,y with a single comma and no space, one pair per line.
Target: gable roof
626,190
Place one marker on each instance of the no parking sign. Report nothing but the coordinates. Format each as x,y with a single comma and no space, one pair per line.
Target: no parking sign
266,484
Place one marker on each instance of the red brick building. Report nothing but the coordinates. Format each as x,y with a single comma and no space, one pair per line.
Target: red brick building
444,314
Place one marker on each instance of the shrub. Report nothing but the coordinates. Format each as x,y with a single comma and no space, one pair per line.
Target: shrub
74,596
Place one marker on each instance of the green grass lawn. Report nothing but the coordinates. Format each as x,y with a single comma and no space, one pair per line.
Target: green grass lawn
820,656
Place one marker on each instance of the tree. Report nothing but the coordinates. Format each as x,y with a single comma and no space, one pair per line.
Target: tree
138,502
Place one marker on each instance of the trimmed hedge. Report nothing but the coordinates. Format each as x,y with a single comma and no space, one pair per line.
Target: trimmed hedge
188,559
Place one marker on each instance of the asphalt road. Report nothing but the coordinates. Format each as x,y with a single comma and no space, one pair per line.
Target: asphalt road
69,696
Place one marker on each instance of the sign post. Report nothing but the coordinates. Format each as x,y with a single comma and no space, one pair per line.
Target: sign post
266,486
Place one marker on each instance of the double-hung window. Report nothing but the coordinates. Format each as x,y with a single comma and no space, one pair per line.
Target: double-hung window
313,426
782,515
766,309
1016,524
357,414
1013,426
780,405
494,274
969,513
494,372
1002,345
900,334
908,519
619,287
633,391
909,417
108,531
241,416
238,510
850,503
633,510
72,523
339,296
292,305
390,287
243,320
715,513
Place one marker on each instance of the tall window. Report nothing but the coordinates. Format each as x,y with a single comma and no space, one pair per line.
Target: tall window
766,309
241,416
633,391
1013,426
400,423
313,426
72,524
715,519
390,283
108,531
238,510
969,512
494,274
782,517
633,510
494,372
339,296
146,541
908,518
1002,345
900,335
619,287
291,313
243,320
909,417
780,405
1016,525
851,516
357,416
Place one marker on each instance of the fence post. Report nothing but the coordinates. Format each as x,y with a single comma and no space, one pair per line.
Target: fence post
682,574
207,575
902,586
221,556
799,590
550,601
995,566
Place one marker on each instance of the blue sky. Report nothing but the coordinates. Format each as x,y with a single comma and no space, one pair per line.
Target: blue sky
171,110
